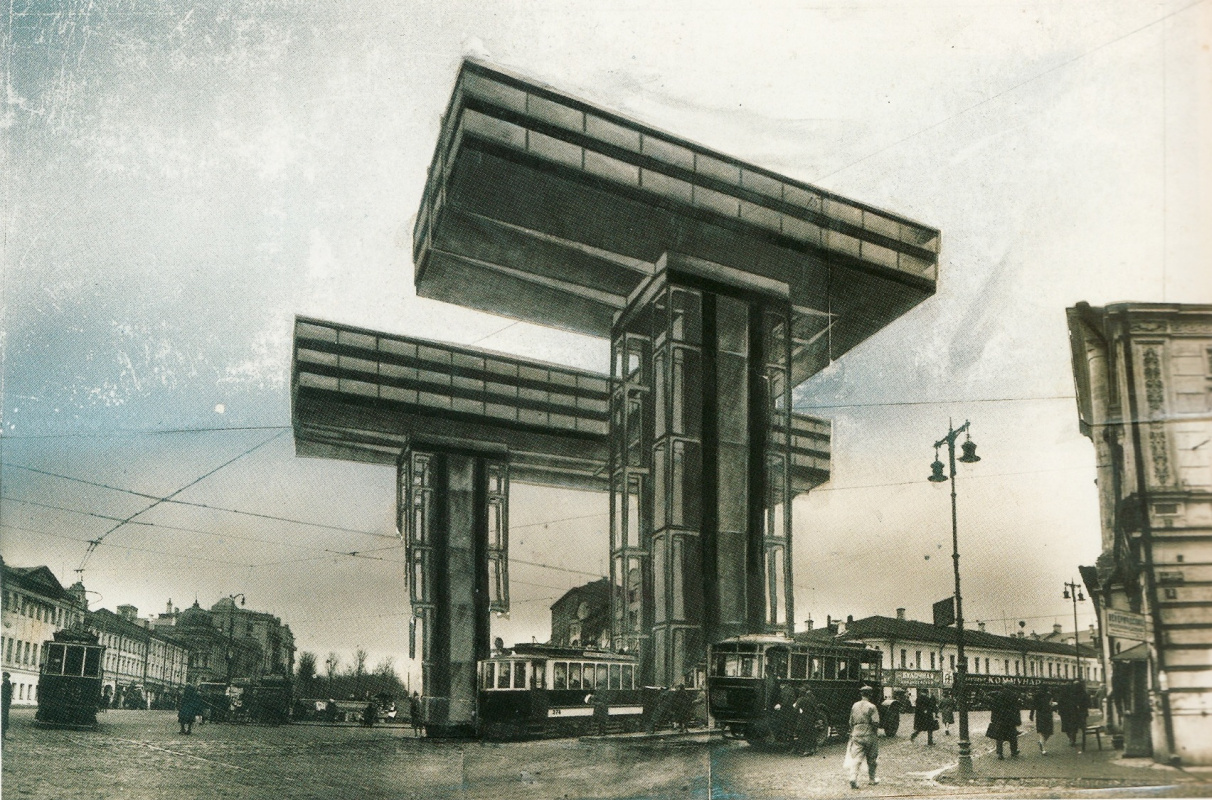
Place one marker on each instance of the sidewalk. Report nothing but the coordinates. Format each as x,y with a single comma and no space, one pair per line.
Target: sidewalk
1069,767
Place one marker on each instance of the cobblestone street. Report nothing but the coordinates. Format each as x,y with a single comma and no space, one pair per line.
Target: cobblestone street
137,754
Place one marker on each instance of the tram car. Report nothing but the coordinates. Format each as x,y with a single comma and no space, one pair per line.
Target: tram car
69,681
547,691
748,676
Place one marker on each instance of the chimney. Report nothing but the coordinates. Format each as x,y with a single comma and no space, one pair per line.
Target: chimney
900,613
808,622
169,608
1056,629
981,625
128,613
849,618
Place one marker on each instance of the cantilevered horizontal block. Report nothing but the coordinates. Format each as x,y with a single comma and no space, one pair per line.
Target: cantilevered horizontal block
545,208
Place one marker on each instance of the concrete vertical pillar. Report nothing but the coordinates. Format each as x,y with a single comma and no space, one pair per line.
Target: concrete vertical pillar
448,542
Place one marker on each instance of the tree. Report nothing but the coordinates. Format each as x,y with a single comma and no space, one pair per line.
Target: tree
306,672
359,670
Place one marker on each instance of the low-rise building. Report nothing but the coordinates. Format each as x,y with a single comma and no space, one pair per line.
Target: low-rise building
35,606
920,655
142,667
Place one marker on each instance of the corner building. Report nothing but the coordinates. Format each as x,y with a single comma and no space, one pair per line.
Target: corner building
1143,373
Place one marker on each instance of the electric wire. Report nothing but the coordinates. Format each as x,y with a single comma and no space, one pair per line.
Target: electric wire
92,545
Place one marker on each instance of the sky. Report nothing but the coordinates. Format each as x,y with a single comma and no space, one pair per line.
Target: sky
180,180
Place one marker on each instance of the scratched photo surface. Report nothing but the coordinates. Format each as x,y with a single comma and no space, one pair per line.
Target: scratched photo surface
277,274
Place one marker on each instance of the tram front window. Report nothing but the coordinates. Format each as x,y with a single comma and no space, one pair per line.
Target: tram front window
628,676
602,676
519,674
538,676
74,661
615,677
559,675
503,675
92,663
54,659
490,672
574,676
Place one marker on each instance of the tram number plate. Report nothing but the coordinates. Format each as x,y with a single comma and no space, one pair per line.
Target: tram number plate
575,711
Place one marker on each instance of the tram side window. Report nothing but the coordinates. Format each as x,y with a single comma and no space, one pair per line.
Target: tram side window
574,676
503,675
54,659
842,673
490,674
73,663
519,674
92,662
628,676
747,666
616,676
817,669
799,666
559,675
830,669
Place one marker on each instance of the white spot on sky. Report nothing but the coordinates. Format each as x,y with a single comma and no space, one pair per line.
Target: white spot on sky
220,408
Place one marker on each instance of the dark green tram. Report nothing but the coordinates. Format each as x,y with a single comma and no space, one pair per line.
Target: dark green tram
69,682
545,691
748,676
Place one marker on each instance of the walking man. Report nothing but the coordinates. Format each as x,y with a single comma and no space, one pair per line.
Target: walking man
1004,719
946,709
7,703
925,716
864,737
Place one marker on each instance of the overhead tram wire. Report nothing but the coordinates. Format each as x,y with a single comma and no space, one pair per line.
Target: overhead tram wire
141,432
936,402
180,528
92,545
201,505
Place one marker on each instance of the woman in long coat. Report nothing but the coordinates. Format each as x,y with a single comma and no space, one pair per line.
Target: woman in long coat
925,716
1004,719
191,707
1041,712
1073,710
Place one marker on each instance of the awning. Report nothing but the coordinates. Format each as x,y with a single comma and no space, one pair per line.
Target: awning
1138,653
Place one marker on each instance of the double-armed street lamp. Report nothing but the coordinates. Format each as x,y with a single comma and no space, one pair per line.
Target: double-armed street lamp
1073,591
960,683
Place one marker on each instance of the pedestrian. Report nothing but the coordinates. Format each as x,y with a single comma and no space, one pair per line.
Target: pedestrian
864,742
1004,719
6,702
925,716
946,708
1071,706
785,713
890,712
807,711
190,707
1041,712
369,713
414,713
330,710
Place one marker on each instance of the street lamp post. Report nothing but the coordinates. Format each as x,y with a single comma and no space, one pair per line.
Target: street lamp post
1073,591
960,684
231,632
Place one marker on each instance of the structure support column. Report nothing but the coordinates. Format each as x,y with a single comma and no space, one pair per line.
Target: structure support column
452,499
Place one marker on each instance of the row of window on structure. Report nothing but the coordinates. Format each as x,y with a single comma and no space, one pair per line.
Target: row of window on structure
1061,669
26,654
43,612
516,674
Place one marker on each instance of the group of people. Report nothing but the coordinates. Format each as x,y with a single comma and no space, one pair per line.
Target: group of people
1070,703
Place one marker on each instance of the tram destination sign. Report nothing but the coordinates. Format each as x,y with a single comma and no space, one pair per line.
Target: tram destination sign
1126,625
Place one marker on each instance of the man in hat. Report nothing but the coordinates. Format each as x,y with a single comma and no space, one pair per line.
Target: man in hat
864,737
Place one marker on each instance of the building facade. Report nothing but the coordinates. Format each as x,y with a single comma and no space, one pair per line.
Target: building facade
142,668
919,655
227,642
35,606
581,618
1143,375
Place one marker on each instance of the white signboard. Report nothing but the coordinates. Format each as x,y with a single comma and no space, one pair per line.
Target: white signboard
1126,625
